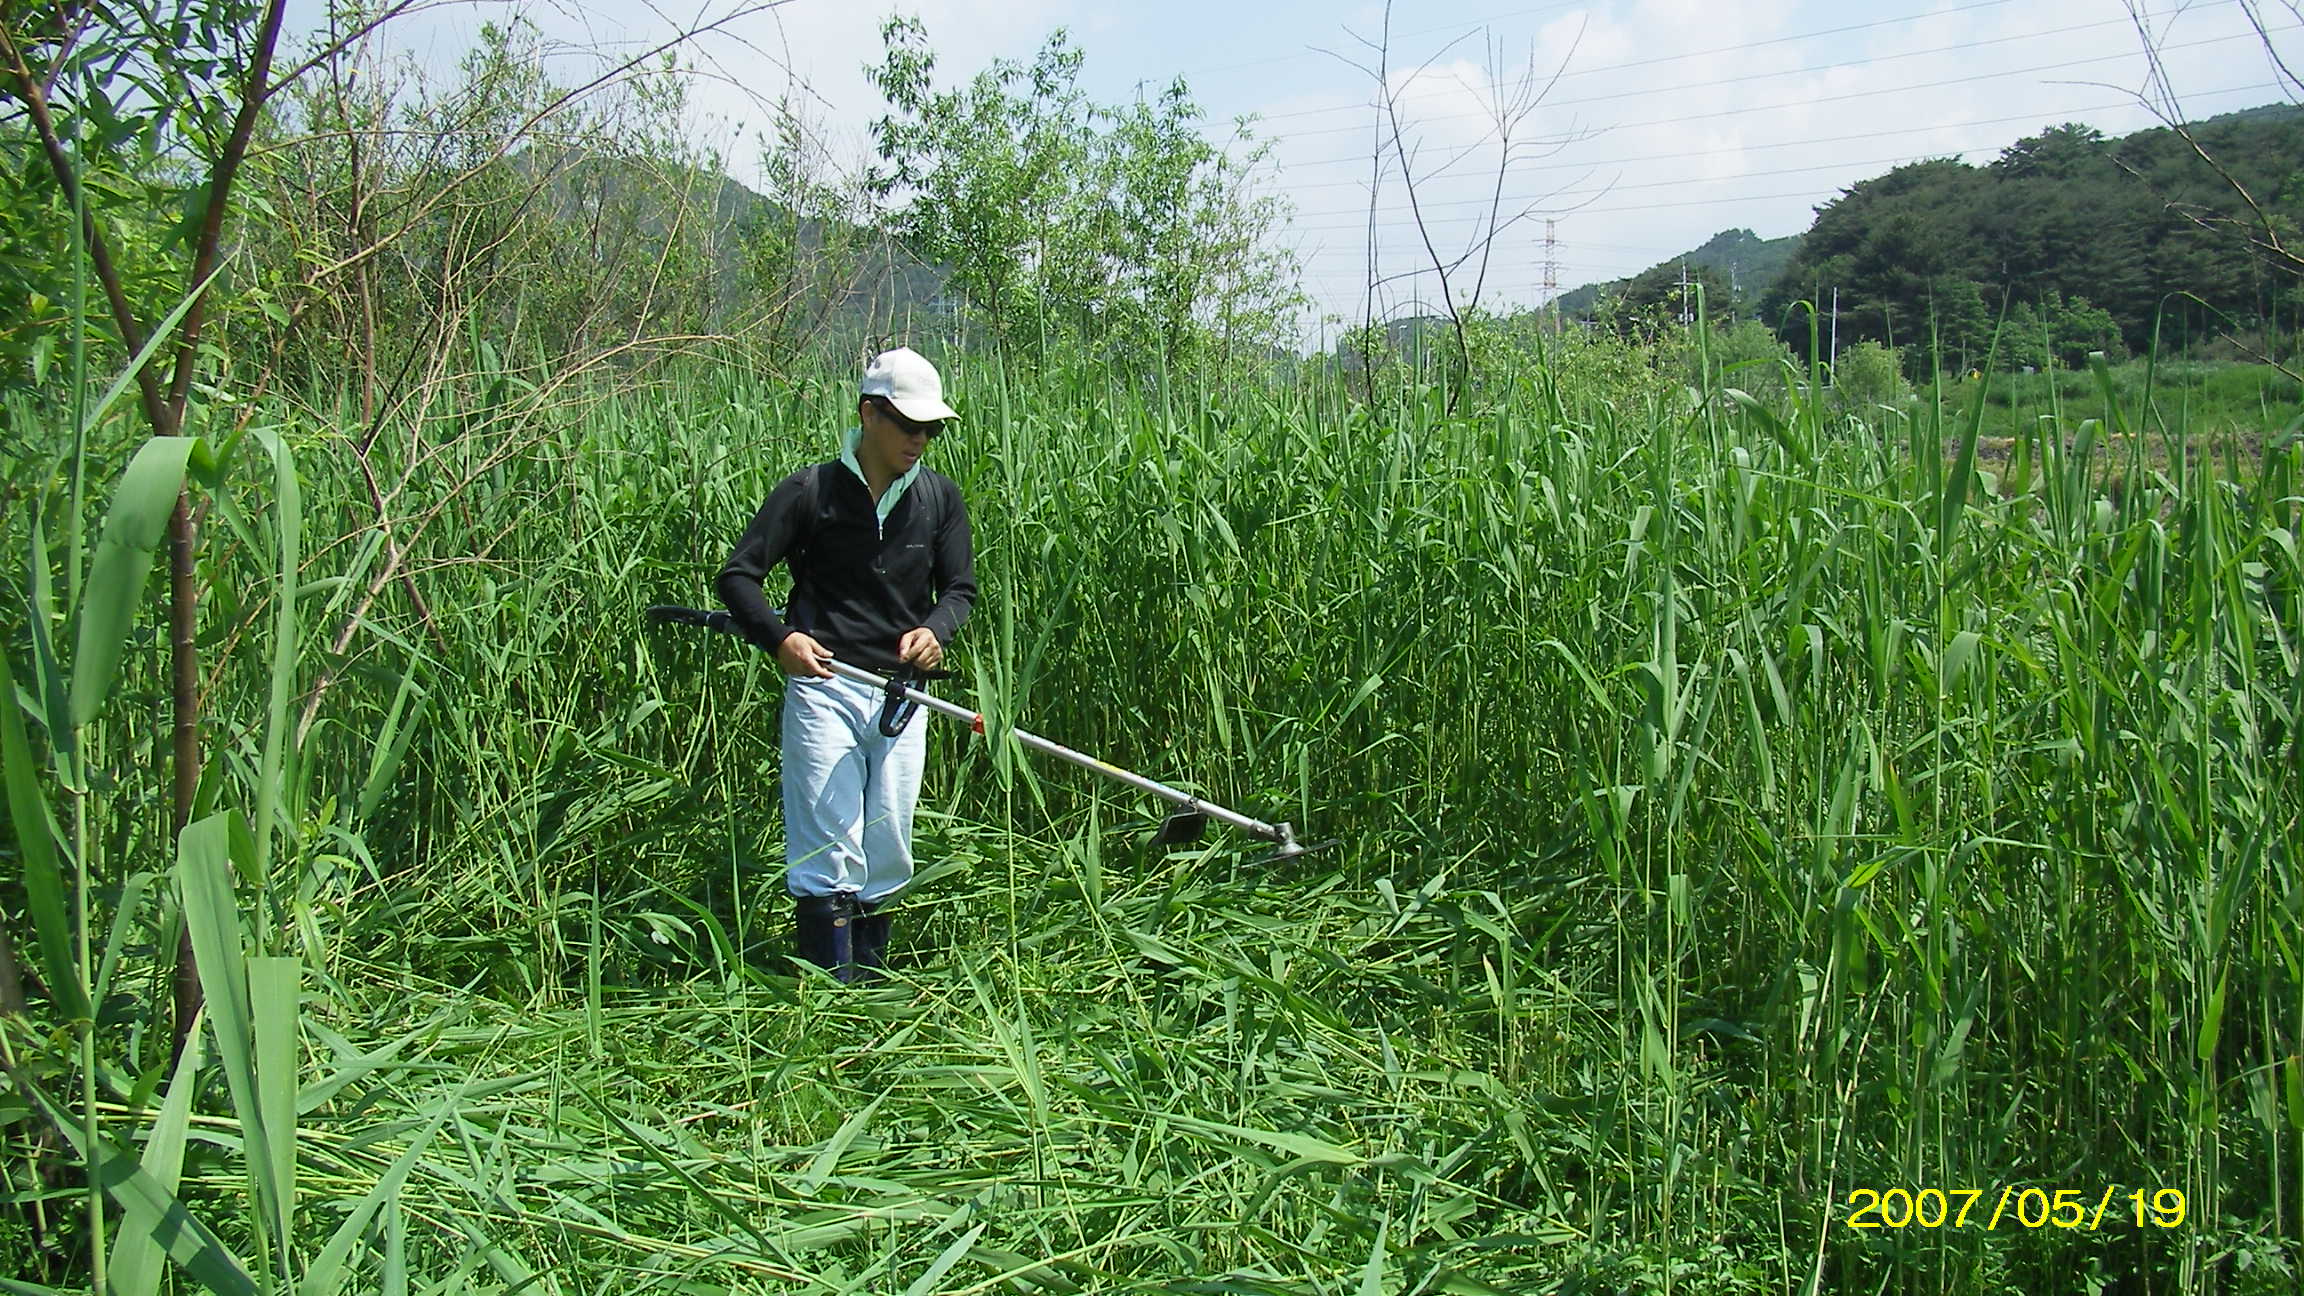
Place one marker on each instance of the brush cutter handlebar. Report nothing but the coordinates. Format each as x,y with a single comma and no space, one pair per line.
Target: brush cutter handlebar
900,691
716,619
897,711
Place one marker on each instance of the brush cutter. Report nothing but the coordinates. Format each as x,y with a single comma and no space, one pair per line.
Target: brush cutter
1183,827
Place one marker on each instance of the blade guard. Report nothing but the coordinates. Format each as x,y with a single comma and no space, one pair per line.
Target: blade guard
1181,829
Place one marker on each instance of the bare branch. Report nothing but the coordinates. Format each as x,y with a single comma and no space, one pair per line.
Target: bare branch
1509,100
2160,100
525,129
337,47
1509,113
2253,8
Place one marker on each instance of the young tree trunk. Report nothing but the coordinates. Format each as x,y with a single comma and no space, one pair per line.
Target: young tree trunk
184,761
183,536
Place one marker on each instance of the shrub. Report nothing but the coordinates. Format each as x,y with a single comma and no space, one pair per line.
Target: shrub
1746,355
1870,374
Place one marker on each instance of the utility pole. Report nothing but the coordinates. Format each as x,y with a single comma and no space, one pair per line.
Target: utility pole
1552,269
1835,353
1683,291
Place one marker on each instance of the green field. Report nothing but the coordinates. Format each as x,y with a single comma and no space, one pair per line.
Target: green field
1741,811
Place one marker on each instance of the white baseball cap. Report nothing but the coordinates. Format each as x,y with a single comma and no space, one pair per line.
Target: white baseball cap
910,383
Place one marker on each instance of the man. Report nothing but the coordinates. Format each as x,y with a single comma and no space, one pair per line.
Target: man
883,574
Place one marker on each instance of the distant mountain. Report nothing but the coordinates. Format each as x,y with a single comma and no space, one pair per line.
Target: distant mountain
1749,263
839,284
2262,113
849,285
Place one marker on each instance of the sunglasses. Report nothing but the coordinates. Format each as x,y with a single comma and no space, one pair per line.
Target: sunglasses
930,430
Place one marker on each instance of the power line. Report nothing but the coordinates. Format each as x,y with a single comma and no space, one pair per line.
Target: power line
1821,100
1778,40
1651,206
1821,139
1795,102
1518,202
1421,31
1643,249
1817,35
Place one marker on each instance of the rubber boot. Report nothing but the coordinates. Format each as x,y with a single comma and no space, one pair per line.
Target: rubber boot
824,933
872,940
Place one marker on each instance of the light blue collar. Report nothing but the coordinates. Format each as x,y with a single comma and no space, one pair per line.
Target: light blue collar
886,504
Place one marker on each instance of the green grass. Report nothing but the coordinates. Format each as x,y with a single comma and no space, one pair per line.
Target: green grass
2213,402
1738,808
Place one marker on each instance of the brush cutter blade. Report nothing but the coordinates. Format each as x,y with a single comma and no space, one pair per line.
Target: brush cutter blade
1291,849
1181,829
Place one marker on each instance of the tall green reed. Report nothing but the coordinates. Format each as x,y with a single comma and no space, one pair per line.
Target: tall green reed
1744,802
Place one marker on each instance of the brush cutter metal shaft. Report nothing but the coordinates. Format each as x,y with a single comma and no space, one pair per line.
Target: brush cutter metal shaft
1282,836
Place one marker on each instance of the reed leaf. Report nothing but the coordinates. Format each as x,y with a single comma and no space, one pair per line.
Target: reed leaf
155,1214
37,848
138,1255
207,852
132,529
288,524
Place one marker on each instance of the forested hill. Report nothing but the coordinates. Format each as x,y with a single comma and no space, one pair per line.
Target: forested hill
2088,237
2084,236
1744,264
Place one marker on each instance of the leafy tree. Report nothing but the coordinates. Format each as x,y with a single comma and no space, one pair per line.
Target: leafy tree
2059,332
223,198
2079,328
551,218
1869,374
2241,210
1748,356
165,99
2026,343
132,127
2061,217
37,262
1673,290
1962,324
813,254
1885,245
986,173
1190,254
2066,152
1750,264
1121,228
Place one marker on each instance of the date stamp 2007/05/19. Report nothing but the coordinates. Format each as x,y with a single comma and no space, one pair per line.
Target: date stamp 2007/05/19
2020,1207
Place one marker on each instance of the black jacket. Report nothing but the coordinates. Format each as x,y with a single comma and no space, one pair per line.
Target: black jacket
857,584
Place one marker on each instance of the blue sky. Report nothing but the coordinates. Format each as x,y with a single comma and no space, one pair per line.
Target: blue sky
1670,120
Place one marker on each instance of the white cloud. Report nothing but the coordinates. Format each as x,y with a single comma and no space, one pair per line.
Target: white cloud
1689,137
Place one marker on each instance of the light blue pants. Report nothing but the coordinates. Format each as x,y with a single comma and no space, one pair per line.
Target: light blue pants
848,791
